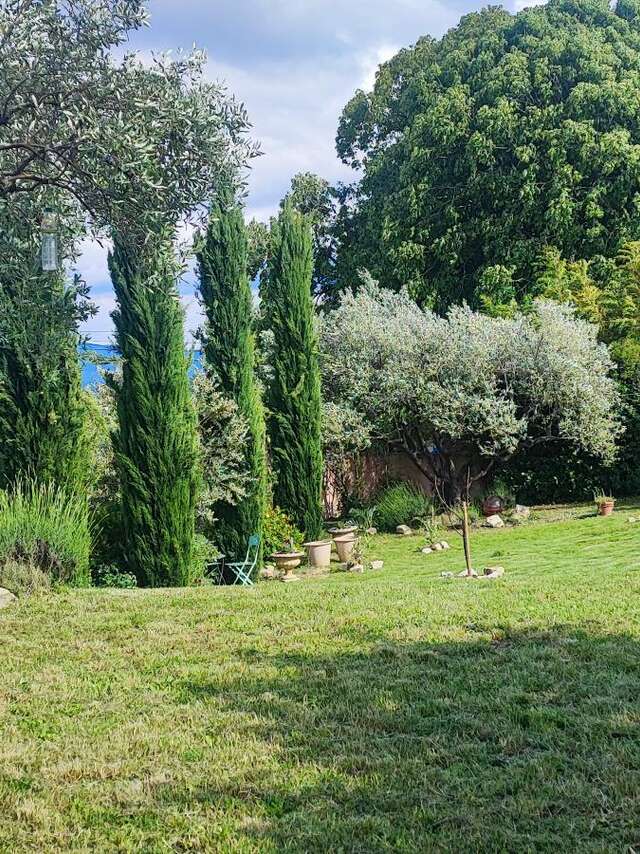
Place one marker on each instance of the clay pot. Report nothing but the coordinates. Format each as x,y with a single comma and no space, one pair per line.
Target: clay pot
493,505
344,546
605,508
319,553
286,562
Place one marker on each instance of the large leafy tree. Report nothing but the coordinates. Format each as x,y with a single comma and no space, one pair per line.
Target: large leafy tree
314,197
510,134
228,343
459,394
293,395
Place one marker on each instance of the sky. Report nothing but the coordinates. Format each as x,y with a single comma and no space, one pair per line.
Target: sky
294,64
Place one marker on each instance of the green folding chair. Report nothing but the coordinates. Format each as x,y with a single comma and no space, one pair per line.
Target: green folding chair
243,570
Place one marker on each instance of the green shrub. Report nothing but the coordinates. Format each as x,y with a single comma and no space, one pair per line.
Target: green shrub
279,531
43,527
203,554
401,504
23,578
111,576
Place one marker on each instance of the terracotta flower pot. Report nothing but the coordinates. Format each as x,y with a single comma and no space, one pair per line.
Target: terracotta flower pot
319,553
492,506
286,562
345,545
605,508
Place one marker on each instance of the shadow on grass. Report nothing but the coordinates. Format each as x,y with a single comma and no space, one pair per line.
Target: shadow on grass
515,742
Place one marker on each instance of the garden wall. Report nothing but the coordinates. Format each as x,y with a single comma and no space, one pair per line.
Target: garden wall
362,480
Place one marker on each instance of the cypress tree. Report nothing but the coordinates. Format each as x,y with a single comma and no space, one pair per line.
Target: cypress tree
293,398
156,440
42,411
229,350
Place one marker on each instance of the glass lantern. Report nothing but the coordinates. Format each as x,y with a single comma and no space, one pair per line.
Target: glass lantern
49,248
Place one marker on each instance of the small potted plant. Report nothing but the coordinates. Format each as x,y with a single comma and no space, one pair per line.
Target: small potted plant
604,503
343,528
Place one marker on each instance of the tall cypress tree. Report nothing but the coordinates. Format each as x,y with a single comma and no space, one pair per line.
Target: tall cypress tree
42,412
229,350
156,439
293,399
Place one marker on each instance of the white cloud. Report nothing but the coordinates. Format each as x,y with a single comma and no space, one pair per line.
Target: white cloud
295,65
519,5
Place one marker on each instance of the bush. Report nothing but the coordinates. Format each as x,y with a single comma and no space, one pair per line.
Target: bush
279,531
401,504
23,578
111,576
43,527
203,554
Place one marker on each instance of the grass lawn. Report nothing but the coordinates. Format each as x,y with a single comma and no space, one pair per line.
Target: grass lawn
391,711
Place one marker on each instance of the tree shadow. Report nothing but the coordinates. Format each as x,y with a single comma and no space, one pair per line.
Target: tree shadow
523,741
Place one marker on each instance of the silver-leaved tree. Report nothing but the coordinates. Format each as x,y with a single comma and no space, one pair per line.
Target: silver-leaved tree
458,394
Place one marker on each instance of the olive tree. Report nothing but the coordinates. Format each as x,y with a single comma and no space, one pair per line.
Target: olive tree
128,140
458,394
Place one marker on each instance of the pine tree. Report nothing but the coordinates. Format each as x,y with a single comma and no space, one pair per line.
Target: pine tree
42,410
156,439
293,399
228,342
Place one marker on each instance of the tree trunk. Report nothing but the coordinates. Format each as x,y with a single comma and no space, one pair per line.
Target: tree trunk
465,536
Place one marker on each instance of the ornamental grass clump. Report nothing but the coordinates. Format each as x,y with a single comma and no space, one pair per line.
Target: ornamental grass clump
45,530
401,504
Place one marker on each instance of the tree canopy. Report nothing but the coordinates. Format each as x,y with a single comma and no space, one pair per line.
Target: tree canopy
510,134
132,142
457,394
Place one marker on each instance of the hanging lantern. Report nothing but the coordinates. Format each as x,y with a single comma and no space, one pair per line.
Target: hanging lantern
49,248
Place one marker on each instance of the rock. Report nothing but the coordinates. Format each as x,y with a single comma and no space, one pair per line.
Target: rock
427,551
437,547
446,575
377,564
6,597
404,530
358,567
464,574
372,531
445,545
522,511
493,571
269,572
494,522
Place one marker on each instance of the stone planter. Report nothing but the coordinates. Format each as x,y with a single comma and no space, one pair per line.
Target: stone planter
605,508
286,562
345,544
339,532
319,553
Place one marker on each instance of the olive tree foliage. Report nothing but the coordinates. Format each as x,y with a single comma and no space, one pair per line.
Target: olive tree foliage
133,143
510,134
457,394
